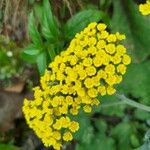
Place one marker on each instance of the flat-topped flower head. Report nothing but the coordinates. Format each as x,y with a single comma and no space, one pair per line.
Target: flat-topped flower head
92,65
145,8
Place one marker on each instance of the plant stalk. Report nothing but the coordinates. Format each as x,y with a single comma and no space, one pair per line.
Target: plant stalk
132,102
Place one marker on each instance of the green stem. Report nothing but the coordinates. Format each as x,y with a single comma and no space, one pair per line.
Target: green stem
112,104
133,103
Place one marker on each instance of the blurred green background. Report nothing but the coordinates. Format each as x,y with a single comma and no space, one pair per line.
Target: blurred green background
33,32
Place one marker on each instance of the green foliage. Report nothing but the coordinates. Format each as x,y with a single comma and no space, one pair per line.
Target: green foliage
31,1
33,32
96,133
146,145
138,87
80,20
122,132
128,20
39,51
30,53
84,135
49,40
8,147
98,142
41,62
142,115
10,63
104,4
87,137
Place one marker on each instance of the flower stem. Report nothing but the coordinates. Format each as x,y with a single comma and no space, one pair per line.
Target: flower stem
132,102
112,104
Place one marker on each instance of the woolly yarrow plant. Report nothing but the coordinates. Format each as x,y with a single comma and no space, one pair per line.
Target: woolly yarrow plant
92,65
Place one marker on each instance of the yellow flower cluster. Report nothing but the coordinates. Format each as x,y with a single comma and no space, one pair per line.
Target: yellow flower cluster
92,64
145,8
